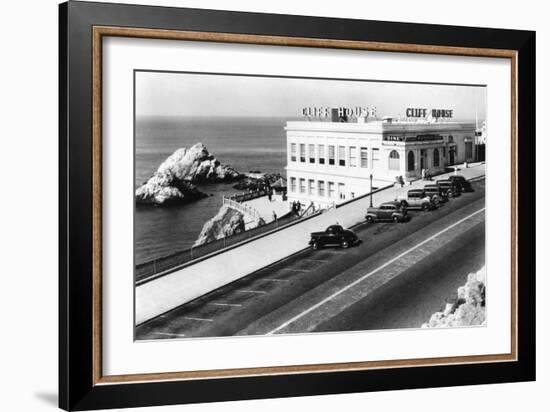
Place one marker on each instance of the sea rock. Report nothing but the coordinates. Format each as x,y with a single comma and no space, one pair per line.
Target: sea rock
162,190
172,182
469,307
227,222
196,164
257,181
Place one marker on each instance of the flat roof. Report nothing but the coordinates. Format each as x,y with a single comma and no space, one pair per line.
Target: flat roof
378,126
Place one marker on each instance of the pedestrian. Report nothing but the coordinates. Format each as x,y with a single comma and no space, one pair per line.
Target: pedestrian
269,194
401,181
274,216
423,172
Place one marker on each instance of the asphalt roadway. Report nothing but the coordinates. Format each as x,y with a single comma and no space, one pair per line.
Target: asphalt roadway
397,277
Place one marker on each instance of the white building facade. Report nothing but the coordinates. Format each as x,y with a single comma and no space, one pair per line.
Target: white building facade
331,162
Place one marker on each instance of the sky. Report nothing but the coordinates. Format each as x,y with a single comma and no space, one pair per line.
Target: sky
189,94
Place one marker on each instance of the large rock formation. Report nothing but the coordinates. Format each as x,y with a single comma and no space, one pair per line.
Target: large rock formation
468,309
172,182
227,222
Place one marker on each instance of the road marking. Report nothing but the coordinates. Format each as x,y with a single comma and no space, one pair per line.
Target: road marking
179,335
295,270
372,272
199,319
317,260
276,280
225,304
251,291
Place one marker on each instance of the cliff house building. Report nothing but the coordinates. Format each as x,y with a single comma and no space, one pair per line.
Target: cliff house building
330,162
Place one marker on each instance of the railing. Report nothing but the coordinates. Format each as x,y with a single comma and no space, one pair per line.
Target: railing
308,210
240,207
243,197
148,269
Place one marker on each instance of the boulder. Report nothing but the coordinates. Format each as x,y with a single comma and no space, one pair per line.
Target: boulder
226,223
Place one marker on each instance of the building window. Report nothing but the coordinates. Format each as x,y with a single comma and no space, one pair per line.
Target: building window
311,153
302,152
410,161
331,190
375,157
469,150
293,152
321,149
321,188
394,160
293,184
331,155
302,185
353,156
342,155
364,157
436,158
311,187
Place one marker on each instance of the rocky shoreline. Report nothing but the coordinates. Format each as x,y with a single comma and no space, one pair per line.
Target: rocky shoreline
469,307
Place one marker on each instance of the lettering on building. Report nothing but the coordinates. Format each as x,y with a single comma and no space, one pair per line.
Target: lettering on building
420,112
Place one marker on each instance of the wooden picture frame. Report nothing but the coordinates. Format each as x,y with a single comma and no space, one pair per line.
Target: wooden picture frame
82,385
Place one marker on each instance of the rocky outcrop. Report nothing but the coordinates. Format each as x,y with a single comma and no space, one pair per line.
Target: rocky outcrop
257,181
227,222
469,307
172,182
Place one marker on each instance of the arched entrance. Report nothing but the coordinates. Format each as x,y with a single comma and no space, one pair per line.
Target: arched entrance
393,160
410,161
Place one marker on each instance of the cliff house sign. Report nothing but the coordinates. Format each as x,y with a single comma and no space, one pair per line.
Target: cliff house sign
423,112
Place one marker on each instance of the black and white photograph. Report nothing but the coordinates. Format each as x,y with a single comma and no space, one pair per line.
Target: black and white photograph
288,205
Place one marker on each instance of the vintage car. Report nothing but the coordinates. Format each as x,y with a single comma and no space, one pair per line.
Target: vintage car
448,186
435,193
334,235
417,199
461,181
393,211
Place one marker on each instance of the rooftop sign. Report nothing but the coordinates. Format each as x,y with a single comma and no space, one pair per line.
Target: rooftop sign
423,112
341,113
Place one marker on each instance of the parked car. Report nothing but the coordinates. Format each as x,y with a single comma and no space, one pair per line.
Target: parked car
394,211
417,199
461,181
436,193
449,187
334,235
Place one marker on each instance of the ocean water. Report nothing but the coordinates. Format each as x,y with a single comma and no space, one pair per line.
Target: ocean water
244,143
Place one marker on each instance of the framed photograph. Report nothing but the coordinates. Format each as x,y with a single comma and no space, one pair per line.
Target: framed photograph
256,206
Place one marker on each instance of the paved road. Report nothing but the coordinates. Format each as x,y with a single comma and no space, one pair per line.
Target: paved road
397,277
